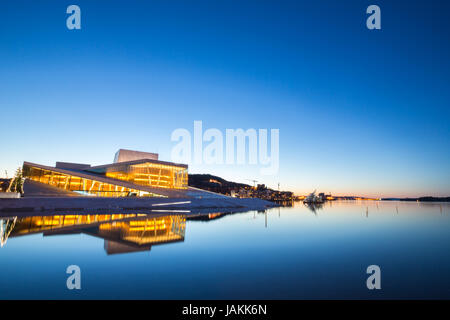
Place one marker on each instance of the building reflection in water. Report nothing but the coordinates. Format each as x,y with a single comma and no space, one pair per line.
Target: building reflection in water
314,207
122,232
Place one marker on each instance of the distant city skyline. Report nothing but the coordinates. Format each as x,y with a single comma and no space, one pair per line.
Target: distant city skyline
359,112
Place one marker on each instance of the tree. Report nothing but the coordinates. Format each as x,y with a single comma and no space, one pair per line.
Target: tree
16,184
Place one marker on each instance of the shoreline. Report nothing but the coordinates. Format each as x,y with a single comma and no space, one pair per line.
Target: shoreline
86,204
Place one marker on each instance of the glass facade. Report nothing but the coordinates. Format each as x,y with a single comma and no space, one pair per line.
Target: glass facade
148,174
86,186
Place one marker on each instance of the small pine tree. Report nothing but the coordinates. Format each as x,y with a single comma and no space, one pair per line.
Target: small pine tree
16,184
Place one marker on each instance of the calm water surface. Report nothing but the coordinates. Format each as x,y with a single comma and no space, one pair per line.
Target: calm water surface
286,253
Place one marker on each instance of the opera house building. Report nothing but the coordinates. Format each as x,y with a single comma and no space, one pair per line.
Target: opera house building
132,174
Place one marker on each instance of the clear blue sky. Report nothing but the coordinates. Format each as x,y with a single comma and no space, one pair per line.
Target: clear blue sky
359,111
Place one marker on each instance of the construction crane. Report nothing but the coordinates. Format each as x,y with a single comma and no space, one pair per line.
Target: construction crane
254,182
